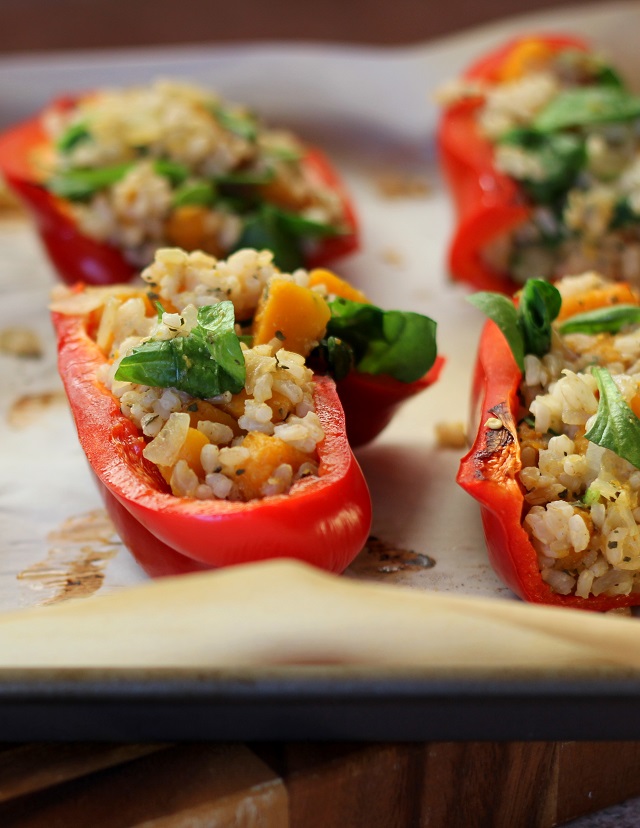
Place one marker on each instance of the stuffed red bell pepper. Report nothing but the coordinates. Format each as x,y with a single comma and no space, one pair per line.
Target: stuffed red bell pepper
210,434
555,463
111,176
540,147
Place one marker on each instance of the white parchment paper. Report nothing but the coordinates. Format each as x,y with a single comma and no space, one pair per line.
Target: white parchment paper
372,110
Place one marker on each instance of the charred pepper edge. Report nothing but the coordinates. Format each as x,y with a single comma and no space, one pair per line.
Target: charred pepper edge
496,383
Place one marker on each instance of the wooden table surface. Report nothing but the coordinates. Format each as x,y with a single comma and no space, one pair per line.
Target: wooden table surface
502,785
437,784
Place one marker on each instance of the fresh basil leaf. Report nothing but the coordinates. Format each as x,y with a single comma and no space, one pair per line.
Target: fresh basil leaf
561,156
503,312
538,306
207,362
75,134
263,230
587,105
401,344
81,184
609,319
176,172
615,427
197,192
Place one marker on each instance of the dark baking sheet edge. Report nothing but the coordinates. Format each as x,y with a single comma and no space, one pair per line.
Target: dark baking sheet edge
123,706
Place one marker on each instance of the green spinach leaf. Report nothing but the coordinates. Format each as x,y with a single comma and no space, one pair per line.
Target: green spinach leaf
401,344
560,155
176,172
615,427
207,362
338,355
503,312
585,106
609,319
527,326
264,230
75,134
196,192
81,184
305,227
241,123
245,178
539,305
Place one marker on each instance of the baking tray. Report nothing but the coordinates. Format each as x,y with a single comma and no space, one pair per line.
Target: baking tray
373,111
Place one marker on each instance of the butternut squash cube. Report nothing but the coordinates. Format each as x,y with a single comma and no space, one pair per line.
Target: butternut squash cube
294,315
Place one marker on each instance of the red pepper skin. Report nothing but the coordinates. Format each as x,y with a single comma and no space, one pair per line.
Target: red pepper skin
324,521
370,401
488,472
77,257
329,249
487,203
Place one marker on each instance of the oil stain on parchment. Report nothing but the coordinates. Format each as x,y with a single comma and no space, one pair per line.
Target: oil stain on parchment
78,555
29,408
380,558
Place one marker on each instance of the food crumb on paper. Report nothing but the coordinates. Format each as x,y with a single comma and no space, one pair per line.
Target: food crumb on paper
395,184
20,342
392,256
28,408
451,435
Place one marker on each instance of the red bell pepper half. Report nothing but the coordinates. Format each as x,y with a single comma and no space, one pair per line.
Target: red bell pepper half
489,473
488,203
80,258
371,401
323,520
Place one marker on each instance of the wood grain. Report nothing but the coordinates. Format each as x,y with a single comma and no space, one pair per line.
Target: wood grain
453,785
29,768
189,785
314,785
592,776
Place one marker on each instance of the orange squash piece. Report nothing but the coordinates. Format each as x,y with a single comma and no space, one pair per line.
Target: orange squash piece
203,410
526,57
294,315
190,452
266,454
335,286
616,294
187,227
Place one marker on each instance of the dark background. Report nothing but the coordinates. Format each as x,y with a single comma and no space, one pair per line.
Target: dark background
83,24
